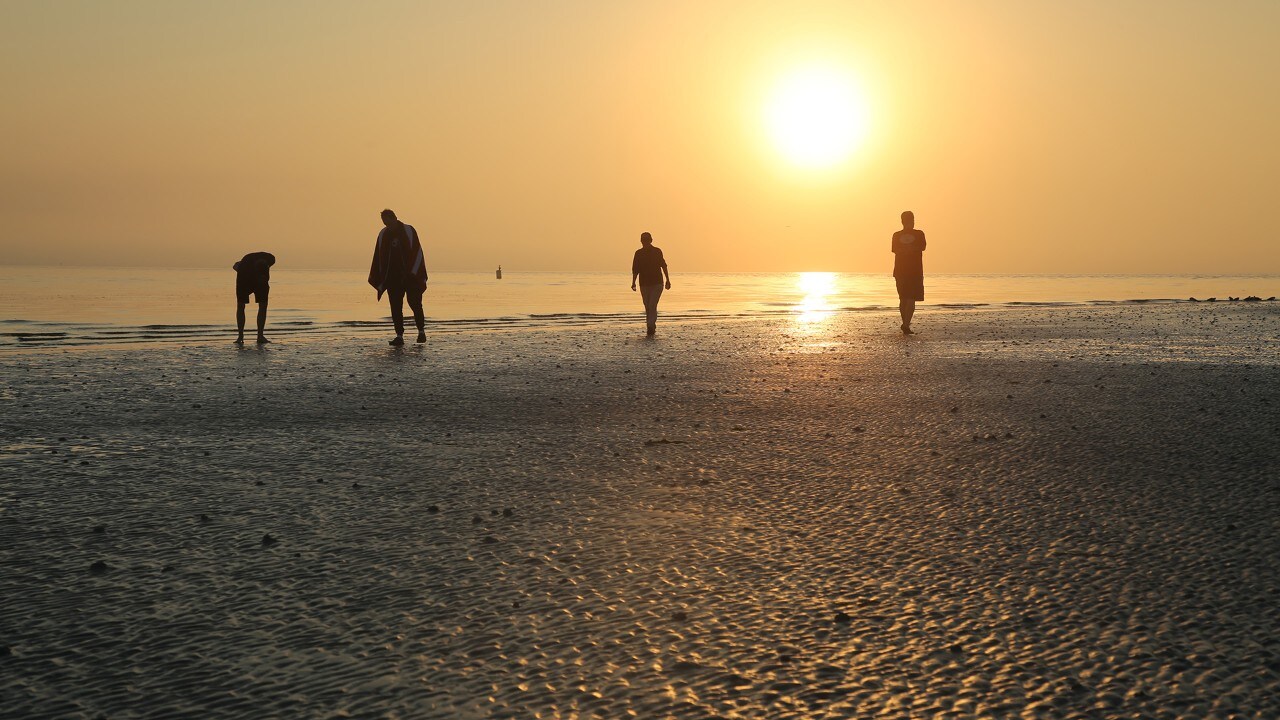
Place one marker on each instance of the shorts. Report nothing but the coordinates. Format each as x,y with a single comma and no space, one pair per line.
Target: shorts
247,286
910,288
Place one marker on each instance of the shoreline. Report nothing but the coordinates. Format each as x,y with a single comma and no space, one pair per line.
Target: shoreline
24,335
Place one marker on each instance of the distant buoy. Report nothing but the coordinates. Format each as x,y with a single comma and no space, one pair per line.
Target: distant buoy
499,272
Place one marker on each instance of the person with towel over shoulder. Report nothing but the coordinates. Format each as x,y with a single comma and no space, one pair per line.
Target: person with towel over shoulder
400,271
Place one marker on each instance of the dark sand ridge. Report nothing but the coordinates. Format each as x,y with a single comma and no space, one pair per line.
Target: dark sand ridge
1067,512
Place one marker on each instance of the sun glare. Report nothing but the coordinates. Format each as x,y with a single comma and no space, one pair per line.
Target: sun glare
817,287
816,117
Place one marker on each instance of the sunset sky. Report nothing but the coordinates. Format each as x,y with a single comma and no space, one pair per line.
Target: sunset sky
1038,137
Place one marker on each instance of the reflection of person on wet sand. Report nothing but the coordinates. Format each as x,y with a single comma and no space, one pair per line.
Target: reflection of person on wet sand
648,266
908,268
400,271
253,277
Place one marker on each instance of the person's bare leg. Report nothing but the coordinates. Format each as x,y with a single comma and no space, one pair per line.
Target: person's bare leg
397,315
907,308
650,295
262,322
419,318
239,323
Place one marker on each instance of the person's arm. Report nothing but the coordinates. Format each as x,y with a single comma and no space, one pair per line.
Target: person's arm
635,269
665,271
922,241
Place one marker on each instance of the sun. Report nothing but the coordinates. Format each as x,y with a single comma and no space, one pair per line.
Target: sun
816,117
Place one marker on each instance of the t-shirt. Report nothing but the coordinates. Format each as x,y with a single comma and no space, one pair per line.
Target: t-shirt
648,264
908,246
255,267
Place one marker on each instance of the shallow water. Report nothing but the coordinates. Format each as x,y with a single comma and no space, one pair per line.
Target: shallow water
61,306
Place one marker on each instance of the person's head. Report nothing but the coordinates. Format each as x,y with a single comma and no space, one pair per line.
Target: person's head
908,220
646,239
389,218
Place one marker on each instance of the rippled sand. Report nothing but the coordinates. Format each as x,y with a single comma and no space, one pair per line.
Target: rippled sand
1017,513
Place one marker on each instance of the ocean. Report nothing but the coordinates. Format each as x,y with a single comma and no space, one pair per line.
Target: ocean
73,306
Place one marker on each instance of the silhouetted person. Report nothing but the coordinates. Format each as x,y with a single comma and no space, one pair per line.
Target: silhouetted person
908,268
648,266
253,277
399,270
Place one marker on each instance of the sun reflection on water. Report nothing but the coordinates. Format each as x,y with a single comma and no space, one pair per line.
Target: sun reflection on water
817,287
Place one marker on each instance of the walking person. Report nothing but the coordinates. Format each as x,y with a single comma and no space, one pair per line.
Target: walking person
400,271
253,277
908,268
648,266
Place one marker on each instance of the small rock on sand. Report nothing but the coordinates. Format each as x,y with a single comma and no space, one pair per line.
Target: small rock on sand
98,568
268,540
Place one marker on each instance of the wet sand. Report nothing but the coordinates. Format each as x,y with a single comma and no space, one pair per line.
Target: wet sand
1062,512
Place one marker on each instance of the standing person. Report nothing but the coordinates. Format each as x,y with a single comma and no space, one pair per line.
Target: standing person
648,266
399,270
908,268
253,276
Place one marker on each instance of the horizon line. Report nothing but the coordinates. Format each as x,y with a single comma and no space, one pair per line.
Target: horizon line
623,271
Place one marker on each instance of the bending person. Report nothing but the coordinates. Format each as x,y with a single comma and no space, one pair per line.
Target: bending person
648,266
400,271
253,277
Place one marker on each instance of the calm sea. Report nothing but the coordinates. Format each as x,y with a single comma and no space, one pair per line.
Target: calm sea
61,306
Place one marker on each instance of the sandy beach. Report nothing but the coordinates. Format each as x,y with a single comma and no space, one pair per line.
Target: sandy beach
1062,512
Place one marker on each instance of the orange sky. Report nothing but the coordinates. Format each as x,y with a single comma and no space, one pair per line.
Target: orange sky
1038,137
